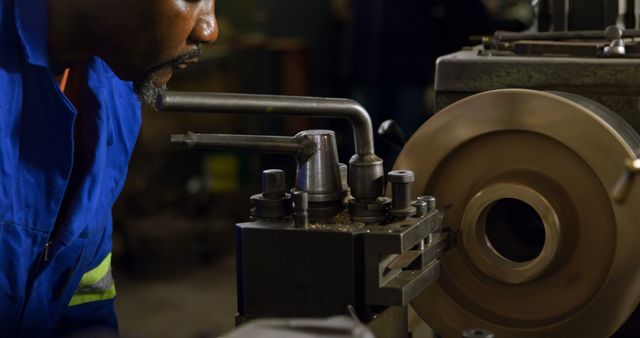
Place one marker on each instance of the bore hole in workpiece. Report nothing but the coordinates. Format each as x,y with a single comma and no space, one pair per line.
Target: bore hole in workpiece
514,229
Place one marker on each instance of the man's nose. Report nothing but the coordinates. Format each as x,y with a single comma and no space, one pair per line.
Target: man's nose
205,30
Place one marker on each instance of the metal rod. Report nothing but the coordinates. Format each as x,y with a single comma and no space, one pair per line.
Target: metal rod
302,147
600,34
275,105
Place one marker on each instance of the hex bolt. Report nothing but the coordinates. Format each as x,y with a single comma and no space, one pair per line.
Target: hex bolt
431,202
273,184
300,209
477,333
401,189
422,207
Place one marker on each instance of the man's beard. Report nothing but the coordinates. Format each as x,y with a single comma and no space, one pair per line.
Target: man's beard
147,90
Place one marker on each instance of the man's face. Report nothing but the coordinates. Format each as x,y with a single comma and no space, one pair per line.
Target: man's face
147,40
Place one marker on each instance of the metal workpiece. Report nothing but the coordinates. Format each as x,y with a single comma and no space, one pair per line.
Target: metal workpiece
300,209
530,172
299,146
275,105
401,181
320,174
396,273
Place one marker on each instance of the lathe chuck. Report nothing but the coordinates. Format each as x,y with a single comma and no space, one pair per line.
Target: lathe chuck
542,249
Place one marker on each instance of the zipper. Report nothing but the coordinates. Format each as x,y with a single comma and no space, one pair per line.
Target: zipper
45,254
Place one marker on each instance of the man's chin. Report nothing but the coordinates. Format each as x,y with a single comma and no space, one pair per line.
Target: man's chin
162,76
153,84
148,91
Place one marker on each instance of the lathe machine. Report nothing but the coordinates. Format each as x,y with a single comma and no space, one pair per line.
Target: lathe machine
536,228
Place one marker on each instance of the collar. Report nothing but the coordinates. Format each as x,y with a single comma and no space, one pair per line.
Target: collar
32,26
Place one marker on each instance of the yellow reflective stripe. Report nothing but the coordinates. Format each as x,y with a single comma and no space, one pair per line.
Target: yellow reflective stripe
90,278
97,273
93,297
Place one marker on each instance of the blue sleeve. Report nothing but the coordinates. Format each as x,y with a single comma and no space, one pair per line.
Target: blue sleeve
94,319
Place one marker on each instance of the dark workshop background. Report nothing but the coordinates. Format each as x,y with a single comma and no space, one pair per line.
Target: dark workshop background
173,236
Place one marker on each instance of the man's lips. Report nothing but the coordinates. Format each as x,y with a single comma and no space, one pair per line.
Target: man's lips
164,74
186,64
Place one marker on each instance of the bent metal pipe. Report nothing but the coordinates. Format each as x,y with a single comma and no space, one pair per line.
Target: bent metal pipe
367,173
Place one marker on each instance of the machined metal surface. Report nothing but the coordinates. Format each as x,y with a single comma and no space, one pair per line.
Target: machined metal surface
285,270
397,267
401,181
614,83
320,174
542,250
273,183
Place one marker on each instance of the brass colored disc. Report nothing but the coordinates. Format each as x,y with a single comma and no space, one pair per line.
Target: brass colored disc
541,249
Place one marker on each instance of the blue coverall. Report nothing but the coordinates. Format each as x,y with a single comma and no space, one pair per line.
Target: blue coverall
58,170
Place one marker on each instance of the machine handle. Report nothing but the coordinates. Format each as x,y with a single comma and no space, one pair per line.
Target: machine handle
299,146
621,189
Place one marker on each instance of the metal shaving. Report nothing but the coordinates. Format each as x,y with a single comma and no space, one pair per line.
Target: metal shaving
341,222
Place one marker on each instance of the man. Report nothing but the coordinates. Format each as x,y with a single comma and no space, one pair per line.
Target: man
69,119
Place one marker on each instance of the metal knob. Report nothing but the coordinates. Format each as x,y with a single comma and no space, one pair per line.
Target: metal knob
390,132
401,193
431,202
422,208
273,202
273,184
622,188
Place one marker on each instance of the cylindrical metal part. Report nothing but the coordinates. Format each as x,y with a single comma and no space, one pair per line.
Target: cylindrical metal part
401,181
503,36
270,207
366,176
422,207
298,146
273,184
401,188
300,209
320,174
344,176
375,212
431,202
477,333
